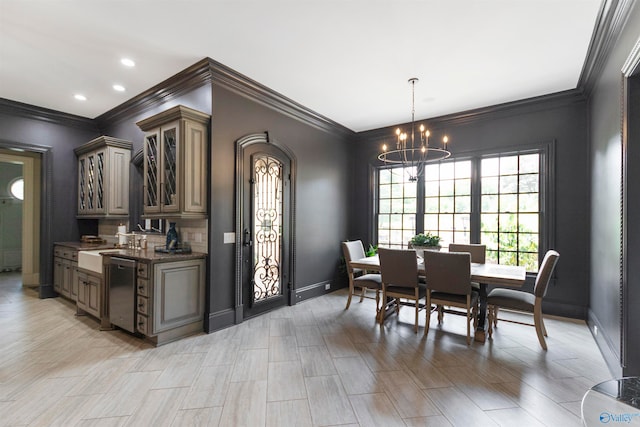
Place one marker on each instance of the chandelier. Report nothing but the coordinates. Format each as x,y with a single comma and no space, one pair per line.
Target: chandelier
411,152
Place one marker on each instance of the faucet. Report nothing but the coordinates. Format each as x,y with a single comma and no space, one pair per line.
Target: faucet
131,239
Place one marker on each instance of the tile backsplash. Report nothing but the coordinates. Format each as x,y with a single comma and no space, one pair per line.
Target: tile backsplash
190,231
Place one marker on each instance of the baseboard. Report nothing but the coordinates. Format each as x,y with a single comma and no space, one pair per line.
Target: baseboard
564,310
314,290
607,349
220,320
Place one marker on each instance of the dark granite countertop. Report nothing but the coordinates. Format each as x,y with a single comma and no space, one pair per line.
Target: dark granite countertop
150,255
82,246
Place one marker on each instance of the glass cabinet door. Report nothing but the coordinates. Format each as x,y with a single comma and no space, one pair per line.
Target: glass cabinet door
169,168
82,185
99,181
91,181
152,184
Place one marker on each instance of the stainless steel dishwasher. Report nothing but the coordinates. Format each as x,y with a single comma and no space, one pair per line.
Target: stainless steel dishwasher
122,293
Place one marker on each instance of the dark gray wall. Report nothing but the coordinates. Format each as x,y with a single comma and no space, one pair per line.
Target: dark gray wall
605,156
322,203
560,118
56,135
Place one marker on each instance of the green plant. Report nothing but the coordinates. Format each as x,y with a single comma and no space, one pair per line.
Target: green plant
427,239
373,250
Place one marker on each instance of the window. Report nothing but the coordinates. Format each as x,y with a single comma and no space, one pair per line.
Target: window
16,188
396,207
447,202
510,209
491,199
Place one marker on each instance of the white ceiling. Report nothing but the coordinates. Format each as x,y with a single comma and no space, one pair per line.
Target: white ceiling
348,60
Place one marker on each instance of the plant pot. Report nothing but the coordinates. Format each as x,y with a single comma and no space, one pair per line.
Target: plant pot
420,249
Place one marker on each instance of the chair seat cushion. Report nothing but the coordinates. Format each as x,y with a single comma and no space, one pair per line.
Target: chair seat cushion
422,290
510,298
454,298
370,281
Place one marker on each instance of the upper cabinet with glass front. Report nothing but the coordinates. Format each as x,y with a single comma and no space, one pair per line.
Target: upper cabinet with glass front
103,178
175,163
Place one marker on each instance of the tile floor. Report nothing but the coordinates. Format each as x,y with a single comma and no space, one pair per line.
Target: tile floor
313,364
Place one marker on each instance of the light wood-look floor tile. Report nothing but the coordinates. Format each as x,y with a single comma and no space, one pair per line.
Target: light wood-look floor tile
311,364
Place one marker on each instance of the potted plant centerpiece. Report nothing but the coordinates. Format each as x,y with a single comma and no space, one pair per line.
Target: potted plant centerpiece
425,242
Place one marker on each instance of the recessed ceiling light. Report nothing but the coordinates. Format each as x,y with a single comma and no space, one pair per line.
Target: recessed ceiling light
128,62
118,88
80,97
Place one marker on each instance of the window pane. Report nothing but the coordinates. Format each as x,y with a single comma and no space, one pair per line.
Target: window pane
446,222
431,189
446,204
410,189
530,163
490,167
508,242
463,169
385,176
508,258
385,206
490,185
509,203
432,172
529,261
463,187
409,222
383,221
463,204
528,243
461,222
528,203
490,239
489,222
528,223
397,190
431,204
409,205
492,257
529,183
508,222
431,222
446,188
397,205
508,165
461,237
447,170
490,203
509,184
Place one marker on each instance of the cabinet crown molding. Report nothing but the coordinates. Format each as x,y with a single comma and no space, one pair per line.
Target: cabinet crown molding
175,113
102,141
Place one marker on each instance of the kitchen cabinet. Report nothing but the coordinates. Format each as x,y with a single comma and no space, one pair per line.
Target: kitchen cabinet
89,293
170,299
176,149
65,262
103,178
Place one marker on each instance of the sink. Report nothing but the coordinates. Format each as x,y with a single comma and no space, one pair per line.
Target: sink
92,260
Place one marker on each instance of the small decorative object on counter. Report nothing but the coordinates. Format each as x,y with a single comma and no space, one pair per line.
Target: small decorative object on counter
172,236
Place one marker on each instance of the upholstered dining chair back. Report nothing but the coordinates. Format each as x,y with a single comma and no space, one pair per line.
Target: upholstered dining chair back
478,252
352,250
544,274
448,272
399,267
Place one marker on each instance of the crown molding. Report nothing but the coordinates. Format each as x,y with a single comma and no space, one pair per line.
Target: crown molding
251,89
609,25
208,71
33,112
522,106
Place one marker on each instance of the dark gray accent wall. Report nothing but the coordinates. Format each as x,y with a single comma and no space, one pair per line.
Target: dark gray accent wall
322,207
54,135
605,153
559,120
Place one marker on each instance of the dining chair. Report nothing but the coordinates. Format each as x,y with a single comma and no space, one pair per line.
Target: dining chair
399,269
478,255
522,301
448,276
359,278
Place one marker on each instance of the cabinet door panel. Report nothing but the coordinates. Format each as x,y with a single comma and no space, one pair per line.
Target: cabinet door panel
178,294
91,182
118,183
58,274
151,173
93,295
74,281
82,185
170,168
100,182
195,168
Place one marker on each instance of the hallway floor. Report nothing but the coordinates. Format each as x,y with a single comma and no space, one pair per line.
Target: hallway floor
313,364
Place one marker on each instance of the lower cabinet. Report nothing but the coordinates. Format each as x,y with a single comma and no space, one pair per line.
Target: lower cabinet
65,263
170,299
89,293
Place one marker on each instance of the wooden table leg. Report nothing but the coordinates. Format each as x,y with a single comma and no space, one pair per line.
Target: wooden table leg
481,329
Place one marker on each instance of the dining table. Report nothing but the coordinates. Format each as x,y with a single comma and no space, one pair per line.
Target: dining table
484,274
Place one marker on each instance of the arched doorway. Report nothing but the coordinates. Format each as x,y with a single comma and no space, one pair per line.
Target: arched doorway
265,218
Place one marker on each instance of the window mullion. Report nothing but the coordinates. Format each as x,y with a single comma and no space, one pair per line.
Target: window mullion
420,194
476,199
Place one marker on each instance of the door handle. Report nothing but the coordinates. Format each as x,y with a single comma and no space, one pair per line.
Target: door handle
247,237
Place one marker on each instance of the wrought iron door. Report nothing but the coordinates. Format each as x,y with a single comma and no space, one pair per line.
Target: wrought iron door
265,236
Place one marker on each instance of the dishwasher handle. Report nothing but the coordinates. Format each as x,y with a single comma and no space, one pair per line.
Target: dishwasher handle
122,263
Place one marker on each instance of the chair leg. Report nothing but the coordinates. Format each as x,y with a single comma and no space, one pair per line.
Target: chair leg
495,316
377,303
490,317
544,329
428,311
350,295
415,327
362,294
468,320
440,314
537,319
